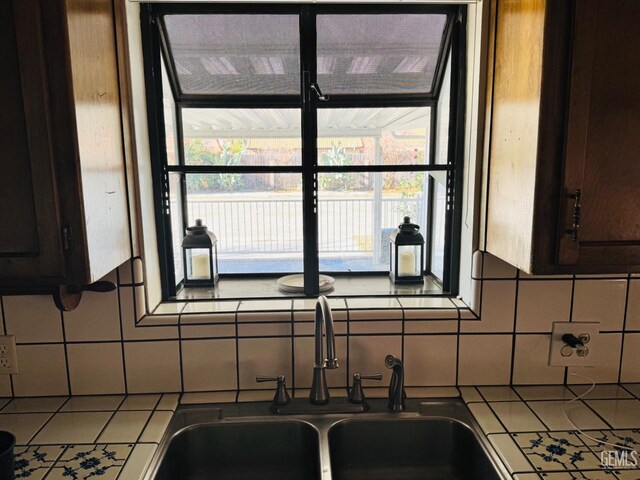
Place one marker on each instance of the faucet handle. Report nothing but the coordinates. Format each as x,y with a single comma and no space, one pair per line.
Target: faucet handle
356,393
282,396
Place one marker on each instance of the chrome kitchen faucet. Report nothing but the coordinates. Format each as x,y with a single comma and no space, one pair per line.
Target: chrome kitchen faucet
324,326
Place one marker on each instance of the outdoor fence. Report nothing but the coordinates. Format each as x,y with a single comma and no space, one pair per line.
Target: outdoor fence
275,225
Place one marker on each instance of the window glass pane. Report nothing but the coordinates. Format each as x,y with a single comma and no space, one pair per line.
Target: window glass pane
257,219
358,211
438,225
177,229
373,136
235,54
395,53
220,136
444,105
169,107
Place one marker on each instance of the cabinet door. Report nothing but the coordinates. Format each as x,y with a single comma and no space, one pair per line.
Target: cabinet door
98,132
30,231
603,139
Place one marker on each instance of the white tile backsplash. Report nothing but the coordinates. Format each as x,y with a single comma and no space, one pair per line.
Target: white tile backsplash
600,301
209,365
531,361
97,318
96,368
108,346
32,319
540,303
263,356
153,366
484,359
430,360
43,371
607,358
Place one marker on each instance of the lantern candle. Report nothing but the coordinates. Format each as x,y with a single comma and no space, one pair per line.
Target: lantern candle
200,256
200,265
406,263
407,254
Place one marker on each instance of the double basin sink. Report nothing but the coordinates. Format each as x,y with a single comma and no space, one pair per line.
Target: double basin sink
432,440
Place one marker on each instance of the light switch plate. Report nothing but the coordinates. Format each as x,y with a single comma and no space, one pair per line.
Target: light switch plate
8,355
560,355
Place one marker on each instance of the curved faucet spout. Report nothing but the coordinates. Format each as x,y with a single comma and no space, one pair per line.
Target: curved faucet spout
324,327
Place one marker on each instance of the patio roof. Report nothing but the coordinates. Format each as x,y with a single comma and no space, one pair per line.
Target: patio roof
285,123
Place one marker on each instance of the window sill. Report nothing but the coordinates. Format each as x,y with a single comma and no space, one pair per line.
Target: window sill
287,310
345,286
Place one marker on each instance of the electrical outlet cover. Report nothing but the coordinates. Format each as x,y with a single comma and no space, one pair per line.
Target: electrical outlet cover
8,355
557,359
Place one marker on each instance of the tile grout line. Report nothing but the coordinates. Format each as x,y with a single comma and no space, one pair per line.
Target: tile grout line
624,328
55,462
37,432
486,402
180,359
124,359
160,397
549,278
106,425
371,333
66,353
146,424
4,332
596,413
628,391
124,462
531,409
514,327
573,290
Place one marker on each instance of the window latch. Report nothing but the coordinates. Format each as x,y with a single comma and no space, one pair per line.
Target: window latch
316,88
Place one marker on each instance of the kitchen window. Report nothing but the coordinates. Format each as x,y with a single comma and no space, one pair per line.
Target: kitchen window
302,135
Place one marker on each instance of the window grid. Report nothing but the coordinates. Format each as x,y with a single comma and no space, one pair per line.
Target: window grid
309,168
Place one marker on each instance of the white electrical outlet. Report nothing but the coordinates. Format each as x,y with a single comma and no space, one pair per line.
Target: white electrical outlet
562,355
8,355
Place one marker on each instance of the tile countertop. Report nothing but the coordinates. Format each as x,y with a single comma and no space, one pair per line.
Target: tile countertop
526,426
114,437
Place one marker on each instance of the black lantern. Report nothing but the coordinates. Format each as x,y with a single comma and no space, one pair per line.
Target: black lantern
200,257
407,253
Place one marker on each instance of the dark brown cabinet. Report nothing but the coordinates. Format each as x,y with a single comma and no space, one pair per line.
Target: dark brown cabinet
564,152
64,217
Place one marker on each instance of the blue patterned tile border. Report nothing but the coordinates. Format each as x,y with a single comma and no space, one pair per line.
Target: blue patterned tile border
578,475
583,475
556,451
34,462
83,462
624,438
623,459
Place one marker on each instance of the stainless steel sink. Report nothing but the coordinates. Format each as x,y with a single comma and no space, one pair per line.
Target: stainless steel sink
430,440
239,451
407,449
